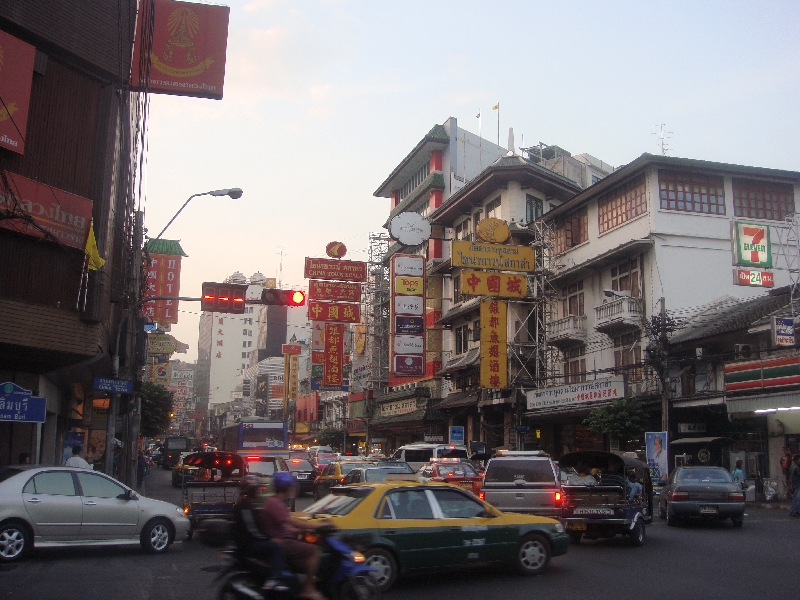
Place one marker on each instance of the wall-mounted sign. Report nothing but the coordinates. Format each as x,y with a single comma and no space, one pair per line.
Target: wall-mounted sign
334,354
783,331
160,343
691,427
776,372
473,255
457,434
598,390
751,245
502,285
291,348
409,305
340,270
334,312
110,384
19,406
408,344
16,75
409,325
410,228
753,278
400,407
407,350
406,365
408,286
409,265
493,230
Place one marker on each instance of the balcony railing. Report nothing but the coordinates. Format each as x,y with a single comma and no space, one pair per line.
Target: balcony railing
569,331
619,315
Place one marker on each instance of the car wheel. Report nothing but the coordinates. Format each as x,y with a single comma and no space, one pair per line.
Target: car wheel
575,537
156,536
738,521
15,541
360,587
672,520
383,565
533,555
636,534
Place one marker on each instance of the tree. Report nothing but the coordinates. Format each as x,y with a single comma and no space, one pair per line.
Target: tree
330,437
623,418
156,408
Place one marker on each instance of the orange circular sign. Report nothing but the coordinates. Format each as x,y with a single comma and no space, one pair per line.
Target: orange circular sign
493,230
336,249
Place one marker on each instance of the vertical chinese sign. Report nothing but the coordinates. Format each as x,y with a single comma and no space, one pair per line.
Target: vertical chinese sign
334,355
163,278
291,374
494,343
16,75
407,344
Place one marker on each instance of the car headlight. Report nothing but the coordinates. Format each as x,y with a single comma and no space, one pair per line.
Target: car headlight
357,557
559,528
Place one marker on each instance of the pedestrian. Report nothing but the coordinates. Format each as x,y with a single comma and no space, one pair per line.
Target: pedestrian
794,487
738,475
141,468
75,460
786,463
24,458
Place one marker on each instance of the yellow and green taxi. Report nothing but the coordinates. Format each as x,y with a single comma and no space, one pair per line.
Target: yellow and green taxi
409,526
334,473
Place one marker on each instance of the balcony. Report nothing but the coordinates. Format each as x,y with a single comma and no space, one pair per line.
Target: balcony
566,332
619,315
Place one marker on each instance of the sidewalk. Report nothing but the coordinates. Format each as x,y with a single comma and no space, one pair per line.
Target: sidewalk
779,505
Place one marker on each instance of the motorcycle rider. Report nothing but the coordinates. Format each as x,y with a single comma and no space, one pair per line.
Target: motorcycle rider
275,520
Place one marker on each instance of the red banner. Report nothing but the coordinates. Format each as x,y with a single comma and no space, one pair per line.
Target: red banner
291,349
187,55
318,358
334,290
341,270
334,354
334,311
16,74
65,216
163,279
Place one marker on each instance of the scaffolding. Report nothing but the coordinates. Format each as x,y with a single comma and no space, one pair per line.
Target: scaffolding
376,312
788,255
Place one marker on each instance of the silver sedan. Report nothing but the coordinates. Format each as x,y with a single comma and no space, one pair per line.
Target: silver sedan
46,507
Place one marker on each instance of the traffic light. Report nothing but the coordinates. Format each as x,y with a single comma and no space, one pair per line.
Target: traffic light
223,297
283,297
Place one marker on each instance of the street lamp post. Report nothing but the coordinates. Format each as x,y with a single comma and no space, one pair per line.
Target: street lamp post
234,193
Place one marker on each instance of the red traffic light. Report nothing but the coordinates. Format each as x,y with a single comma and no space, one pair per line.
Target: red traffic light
223,297
283,297
297,298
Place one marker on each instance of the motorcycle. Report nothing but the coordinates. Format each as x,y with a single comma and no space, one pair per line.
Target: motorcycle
342,574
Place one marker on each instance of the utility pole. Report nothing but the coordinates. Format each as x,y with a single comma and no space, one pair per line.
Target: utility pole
663,343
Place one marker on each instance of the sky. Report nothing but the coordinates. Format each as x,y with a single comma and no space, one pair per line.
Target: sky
323,99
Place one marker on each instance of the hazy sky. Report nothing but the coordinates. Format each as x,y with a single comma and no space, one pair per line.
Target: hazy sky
323,99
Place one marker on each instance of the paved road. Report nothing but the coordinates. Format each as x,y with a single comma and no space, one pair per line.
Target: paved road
686,563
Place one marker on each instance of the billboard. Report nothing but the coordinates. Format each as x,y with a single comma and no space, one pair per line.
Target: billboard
334,311
656,451
407,346
751,245
16,75
598,390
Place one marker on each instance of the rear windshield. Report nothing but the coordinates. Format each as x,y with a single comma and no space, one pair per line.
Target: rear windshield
261,467
347,467
457,470
177,444
419,455
300,465
324,460
451,453
703,476
339,502
510,470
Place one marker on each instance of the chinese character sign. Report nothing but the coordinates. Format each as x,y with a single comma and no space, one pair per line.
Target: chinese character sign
503,285
163,279
334,354
334,312
494,344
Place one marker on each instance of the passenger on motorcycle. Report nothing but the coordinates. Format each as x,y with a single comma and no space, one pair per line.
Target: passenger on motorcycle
275,520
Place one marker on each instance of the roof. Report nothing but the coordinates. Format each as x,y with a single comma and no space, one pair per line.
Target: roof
461,362
635,167
458,400
159,246
467,307
434,181
436,138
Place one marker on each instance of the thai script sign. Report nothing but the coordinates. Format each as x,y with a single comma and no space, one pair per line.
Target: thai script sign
409,325
753,278
16,76
291,349
502,285
494,344
329,268
408,293
409,265
109,384
608,388
187,56
401,407
751,245
492,256
783,329
334,290
160,343
19,406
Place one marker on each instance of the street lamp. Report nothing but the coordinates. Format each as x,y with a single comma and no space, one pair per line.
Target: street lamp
234,193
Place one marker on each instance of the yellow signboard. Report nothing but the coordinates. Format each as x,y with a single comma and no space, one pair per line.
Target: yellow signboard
493,230
161,343
502,257
408,286
502,285
494,343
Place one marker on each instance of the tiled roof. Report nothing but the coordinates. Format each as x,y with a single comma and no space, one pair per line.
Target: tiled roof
461,309
458,400
465,361
159,246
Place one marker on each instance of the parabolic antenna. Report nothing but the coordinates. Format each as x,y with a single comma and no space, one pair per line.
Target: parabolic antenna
410,228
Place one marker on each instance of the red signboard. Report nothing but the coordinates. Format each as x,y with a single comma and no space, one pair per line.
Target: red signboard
334,311
318,358
291,349
753,278
67,217
334,354
163,279
334,290
16,74
341,270
187,53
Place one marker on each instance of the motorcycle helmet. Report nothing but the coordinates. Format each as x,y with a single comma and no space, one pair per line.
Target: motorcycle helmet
283,480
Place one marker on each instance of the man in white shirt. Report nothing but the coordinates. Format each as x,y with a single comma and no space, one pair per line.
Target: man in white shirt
75,460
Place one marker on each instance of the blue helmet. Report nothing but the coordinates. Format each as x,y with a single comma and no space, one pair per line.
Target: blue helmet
283,479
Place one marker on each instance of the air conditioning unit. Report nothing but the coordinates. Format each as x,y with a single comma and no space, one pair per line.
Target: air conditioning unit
743,350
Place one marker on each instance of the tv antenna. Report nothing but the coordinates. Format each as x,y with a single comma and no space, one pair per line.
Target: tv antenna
662,137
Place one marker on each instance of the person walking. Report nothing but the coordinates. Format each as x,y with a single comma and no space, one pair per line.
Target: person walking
75,460
794,487
738,475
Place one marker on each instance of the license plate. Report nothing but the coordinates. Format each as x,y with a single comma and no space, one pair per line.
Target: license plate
708,510
465,484
576,526
302,476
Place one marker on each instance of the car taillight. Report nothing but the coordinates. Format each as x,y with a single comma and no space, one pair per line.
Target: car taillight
186,509
558,499
736,496
341,479
312,537
679,495
482,495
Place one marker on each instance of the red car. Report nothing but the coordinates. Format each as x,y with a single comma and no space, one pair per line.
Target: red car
452,471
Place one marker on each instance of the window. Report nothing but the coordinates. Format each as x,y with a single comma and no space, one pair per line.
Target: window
622,206
573,303
625,278
455,505
250,344
628,353
408,504
574,231
691,192
533,208
244,331
476,218
462,230
476,330
55,483
462,339
98,486
493,209
415,180
457,295
595,178
575,365
688,380
762,199
244,354
244,344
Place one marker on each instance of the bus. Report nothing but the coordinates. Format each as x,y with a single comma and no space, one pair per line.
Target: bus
173,446
255,434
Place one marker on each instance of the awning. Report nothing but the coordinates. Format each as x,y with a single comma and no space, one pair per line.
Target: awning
765,402
469,359
458,400
394,420
700,440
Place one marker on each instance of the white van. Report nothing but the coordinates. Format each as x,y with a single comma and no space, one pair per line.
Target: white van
421,453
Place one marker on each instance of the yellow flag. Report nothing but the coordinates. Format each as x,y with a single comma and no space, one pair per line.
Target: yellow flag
95,262
496,106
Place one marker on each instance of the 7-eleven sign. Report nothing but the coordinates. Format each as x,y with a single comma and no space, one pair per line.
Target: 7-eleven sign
752,247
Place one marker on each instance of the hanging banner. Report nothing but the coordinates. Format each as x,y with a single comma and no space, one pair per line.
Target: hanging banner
16,75
494,344
334,354
502,285
187,53
336,312
163,278
65,216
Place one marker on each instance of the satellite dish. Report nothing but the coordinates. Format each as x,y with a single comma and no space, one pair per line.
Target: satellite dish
410,228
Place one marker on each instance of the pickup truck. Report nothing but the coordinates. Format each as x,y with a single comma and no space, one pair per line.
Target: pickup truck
523,482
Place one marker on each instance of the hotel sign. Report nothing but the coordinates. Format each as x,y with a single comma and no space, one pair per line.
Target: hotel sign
492,256
608,388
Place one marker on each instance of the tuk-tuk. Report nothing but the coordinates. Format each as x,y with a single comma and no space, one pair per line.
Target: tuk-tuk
216,486
601,499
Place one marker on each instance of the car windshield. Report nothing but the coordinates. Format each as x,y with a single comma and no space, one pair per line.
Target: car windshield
703,476
339,502
261,467
458,470
506,470
299,465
